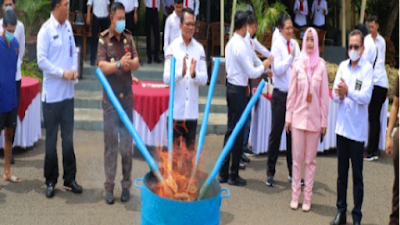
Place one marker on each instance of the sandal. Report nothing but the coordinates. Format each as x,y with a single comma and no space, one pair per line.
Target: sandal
13,179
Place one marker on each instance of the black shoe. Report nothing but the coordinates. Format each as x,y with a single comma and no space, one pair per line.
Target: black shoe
109,197
248,153
125,195
242,166
357,223
50,191
222,180
73,186
270,181
238,181
12,160
157,60
339,219
368,157
244,158
149,61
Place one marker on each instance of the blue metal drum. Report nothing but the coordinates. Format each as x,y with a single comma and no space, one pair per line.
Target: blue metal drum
158,210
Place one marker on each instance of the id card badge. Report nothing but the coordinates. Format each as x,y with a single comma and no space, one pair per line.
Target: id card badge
309,97
358,85
70,47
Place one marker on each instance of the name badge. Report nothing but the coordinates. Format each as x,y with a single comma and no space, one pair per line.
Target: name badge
309,97
358,85
55,37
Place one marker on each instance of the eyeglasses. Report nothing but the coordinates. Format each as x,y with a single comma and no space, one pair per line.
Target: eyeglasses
355,47
190,24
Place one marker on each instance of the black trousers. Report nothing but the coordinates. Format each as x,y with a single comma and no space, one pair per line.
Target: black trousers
350,150
152,21
59,114
278,110
163,31
394,216
18,83
130,23
374,113
236,99
97,23
185,130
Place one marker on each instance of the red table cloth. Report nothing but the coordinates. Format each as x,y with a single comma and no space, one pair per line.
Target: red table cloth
30,87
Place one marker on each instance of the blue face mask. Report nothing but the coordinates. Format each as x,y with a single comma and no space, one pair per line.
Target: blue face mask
8,8
9,36
120,27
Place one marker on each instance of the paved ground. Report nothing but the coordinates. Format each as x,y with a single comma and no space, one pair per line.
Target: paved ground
25,203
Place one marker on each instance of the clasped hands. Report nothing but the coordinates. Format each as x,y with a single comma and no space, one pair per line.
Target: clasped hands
341,89
193,64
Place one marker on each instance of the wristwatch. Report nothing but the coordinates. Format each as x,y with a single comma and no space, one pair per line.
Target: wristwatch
118,64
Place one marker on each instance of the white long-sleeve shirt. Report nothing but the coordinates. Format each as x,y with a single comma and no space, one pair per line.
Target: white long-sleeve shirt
186,97
301,16
370,51
129,5
56,52
275,36
352,116
99,7
19,34
282,64
256,60
172,30
318,13
239,62
149,4
257,46
167,3
380,76
193,4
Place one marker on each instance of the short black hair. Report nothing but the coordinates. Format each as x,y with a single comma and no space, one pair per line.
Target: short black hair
240,19
9,18
178,1
54,3
362,28
251,18
184,11
357,32
2,2
373,18
115,6
282,19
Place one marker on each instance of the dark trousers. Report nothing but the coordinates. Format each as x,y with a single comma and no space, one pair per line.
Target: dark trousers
278,110
114,129
394,216
236,100
319,27
97,23
248,121
185,131
374,113
152,21
130,23
163,31
353,150
59,114
18,83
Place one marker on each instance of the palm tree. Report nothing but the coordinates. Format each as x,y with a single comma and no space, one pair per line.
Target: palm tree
32,13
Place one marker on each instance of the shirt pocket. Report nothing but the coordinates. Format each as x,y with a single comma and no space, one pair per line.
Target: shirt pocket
301,81
55,44
316,82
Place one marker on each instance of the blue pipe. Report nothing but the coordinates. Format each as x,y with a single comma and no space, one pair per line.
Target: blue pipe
125,119
204,122
171,111
231,140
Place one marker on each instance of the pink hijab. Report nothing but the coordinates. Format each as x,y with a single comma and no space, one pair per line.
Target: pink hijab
309,61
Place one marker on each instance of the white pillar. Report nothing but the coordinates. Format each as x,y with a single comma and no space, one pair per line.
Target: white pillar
343,23
222,28
362,12
232,18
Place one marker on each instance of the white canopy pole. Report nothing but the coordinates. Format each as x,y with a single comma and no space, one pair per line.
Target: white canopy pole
232,18
222,28
343,23
362,12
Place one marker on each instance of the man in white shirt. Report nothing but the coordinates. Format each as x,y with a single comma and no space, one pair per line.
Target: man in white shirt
168,10
319,10
131,13
380,89
58,59
190,56
152,20
277,32
19,34
172,25
193,4
352,91
240,68
300,10
100,18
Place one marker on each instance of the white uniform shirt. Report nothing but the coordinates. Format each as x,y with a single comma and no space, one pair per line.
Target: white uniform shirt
275,36
167,3
129,5
99,7
301,16
193,4
258,47
172,30
239,62
369,53
19,34
352,116
318,13
380,76
56,52
149,4
186,98
283,62
248,40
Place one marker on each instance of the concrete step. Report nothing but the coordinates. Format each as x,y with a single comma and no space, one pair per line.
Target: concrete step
92,100
92,119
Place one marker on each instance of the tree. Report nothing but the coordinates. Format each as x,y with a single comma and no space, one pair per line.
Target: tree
390,19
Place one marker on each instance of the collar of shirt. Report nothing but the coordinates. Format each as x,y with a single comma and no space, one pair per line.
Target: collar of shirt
55,22
359,65
112,34
182,42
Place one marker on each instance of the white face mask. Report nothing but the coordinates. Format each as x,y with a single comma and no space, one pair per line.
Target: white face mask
354,55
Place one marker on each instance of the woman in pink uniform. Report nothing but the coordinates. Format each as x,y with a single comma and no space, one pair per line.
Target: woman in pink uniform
306,115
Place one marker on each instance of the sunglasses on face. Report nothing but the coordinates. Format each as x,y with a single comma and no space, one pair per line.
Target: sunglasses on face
355,47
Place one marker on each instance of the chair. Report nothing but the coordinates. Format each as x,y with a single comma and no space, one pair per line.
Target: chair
216,35
321,40
71,17
267,39
201,34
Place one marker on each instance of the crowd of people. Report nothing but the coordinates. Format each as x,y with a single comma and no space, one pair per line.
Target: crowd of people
299,100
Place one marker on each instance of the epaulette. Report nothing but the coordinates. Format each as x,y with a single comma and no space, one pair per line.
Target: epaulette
104,33
127,31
